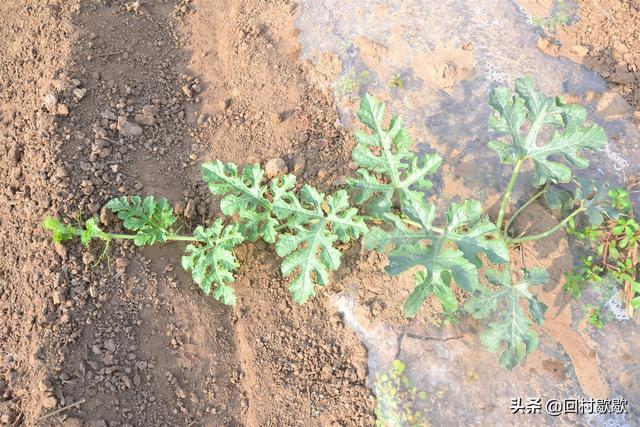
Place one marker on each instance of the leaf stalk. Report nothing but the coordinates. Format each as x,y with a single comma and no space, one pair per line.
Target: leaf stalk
548,232
507,195
169,238
523,207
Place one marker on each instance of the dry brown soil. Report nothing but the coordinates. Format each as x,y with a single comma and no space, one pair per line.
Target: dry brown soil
605,37
132,341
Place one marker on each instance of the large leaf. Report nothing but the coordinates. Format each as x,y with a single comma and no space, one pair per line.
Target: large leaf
211,261
304,229
150,219
569,136
247,197
388,167
512,331
448,254
315,223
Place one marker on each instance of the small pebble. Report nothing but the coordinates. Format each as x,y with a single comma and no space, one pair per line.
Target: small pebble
275,167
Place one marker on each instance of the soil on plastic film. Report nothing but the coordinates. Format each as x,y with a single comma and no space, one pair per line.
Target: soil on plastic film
106,98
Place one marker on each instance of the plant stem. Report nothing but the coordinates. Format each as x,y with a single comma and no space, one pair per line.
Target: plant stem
168,238
628,287
109,236
507,194
523,207
548,232
182,238
281,227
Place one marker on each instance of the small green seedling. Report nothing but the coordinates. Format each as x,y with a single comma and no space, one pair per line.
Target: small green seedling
560,16
209,258
614,244
595,319
396,81
387,203
397,398
350,83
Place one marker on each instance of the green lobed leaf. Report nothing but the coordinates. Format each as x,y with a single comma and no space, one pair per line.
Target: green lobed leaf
246,196
150,219
60,231
450,254
594,197
498,277
212,262
482,304
512,331
315,223
90,231
387,166
569,136
536,276
590,195
558,199
438,283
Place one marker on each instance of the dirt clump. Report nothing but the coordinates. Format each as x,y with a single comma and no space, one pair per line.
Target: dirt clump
606,39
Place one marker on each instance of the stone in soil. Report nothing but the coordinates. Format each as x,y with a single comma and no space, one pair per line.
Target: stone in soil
275,167
613,106
147,116
50,102
127,128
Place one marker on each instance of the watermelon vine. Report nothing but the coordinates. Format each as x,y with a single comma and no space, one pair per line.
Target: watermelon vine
387,202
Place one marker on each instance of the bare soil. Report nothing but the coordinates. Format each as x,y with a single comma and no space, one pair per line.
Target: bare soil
132,341
605,37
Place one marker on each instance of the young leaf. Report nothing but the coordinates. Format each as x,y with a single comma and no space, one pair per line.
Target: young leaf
569,138
246,196
91,230
60,231
590,195
388,167
512,331
620,199
558,199
397,399
212,262
450,254
307,249
150,219
594,197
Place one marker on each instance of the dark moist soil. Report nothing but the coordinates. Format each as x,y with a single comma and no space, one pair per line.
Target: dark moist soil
128,339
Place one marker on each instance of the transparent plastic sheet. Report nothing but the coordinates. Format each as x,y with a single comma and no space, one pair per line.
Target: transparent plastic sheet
434,62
